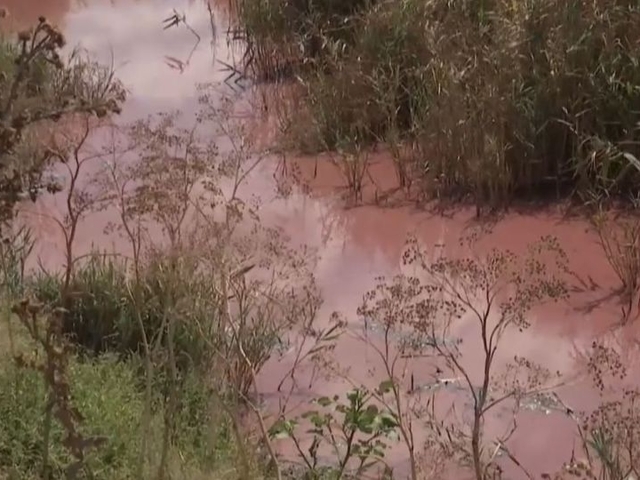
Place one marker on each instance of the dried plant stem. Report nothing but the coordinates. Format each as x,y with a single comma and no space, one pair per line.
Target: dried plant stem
170,410
224,295
397,406
149,372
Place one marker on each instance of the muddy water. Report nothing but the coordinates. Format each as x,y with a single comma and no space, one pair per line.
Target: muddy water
161,69
23,14
369,241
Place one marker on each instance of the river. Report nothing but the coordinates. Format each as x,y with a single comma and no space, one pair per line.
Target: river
355,245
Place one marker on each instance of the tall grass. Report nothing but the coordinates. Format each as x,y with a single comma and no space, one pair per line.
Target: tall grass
107,392
101,314
496,98
284,34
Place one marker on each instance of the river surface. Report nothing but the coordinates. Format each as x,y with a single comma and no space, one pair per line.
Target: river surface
161,69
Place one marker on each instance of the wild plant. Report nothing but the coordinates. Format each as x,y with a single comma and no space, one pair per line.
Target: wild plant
619,239
39,88
48,335
354,166
15,250
495,294
491,119
357,436
608,433
206,271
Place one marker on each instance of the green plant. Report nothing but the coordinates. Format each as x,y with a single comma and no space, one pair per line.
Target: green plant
39,87
100,315
356,434
14,251
104,391
207,292
54,369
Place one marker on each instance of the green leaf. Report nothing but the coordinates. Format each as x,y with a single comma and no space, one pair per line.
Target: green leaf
388,421
372,410
282,429
632,160
324,401
393,435
386,386
319,420
280,435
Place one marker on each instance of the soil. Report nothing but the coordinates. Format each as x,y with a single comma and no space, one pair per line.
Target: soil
355,243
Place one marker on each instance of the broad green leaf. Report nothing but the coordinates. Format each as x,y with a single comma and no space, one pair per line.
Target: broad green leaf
386,386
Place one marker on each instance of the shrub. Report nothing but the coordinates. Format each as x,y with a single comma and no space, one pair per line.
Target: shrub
105,308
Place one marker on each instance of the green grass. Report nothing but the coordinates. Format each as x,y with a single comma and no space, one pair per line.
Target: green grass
104,391
7,56
109,394
102,312
107,374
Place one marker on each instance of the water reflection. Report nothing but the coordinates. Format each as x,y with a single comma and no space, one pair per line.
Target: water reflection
25,13
354,246
132,36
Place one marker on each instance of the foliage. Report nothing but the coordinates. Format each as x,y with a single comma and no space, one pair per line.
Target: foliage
207,297
101,315
356,432
494,99
106,393
493,295
37,89
147,368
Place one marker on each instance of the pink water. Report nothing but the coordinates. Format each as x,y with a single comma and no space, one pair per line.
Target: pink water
355,245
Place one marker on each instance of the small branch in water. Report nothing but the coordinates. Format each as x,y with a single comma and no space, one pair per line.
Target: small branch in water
239,76
214,31
175,20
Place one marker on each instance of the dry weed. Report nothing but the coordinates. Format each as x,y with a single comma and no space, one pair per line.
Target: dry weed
620,242
495,293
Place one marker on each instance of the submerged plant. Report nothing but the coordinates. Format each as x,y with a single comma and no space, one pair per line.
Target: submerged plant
619,239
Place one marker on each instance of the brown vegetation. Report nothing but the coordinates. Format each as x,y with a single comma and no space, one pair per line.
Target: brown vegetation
492,99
